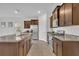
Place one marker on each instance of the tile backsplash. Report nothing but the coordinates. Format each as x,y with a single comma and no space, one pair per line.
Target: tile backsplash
73,30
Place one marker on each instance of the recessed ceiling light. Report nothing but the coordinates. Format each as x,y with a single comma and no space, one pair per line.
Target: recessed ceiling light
16,11
39,12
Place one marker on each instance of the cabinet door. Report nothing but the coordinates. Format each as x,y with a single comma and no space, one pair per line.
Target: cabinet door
55,46
68,14
59,48
61,16
34,22
75,13
21,49
25,48
29,44
56,13
56,17
27,24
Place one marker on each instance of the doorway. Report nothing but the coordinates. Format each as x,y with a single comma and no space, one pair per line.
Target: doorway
35,29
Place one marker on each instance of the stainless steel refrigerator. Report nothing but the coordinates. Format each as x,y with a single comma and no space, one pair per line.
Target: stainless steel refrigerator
35,32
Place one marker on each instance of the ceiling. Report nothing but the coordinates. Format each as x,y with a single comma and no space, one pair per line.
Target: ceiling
25,9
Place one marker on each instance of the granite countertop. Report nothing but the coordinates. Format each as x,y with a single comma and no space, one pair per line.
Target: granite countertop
65,37
14,38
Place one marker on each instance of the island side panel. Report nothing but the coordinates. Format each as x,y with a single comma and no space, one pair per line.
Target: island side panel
8,49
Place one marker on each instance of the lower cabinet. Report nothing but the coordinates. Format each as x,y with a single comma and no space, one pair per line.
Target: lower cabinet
24,47
65,48
9,46
57,47
20,48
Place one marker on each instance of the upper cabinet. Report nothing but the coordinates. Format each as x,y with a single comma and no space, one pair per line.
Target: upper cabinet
61,16
27,24
65,15
34,22
68,14
76,14
54,18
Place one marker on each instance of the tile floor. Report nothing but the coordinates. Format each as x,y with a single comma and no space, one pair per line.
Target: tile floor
40,48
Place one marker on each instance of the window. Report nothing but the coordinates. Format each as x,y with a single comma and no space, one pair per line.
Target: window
3,24
10,24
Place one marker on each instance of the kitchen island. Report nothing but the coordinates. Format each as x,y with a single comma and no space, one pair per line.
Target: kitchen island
12,45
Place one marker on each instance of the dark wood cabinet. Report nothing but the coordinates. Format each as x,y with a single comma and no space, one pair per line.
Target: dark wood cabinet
24,47
13,47
56,13
34,22
27,24
71,48
54,18
61,16
57,47
21,48
75,13
68,14
54,46
65,48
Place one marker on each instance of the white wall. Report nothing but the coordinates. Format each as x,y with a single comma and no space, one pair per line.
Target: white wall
44,23
43,27
10,30
7,30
